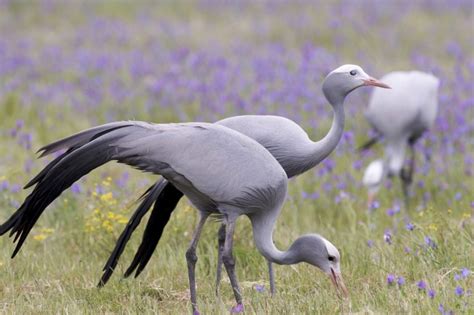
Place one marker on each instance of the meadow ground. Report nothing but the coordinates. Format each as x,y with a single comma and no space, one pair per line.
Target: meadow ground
65,67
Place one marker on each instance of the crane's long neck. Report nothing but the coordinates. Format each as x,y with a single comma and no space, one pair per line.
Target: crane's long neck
263,236
319,150
327,144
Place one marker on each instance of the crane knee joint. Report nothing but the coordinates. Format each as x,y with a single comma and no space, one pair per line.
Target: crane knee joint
228,260
191,256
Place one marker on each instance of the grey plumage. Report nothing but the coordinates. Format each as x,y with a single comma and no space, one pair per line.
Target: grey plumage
400,116
283,138
220,170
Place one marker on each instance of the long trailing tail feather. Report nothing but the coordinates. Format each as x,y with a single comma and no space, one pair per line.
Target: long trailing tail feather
48,167
87,151
81,138
165,204
147,199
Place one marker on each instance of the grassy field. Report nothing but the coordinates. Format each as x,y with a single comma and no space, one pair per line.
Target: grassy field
65,67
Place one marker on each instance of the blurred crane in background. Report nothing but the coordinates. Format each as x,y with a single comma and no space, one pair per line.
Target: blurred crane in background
399,116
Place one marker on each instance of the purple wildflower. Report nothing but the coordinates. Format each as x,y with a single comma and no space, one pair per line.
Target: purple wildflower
374,205
390,212
429,241
99,190
28,166
370,243
465,272
443,311
76,188
459,291
15,188
396,208
390,279
259,288
458,196
400,281
409,226
239,308
407,249
421,285
431,293
457,277
357,165
19,124
4,185
441,308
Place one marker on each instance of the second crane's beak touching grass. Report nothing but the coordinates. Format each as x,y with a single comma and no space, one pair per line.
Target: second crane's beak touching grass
336,279
375,82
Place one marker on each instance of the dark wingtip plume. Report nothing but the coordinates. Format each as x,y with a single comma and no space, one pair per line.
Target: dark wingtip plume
368,144
148,198
164,206
105,277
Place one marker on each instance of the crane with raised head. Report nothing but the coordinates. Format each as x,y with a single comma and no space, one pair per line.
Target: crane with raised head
221,171
399,116
283,138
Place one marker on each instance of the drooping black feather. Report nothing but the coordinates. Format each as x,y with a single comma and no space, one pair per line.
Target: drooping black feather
48,167
147,198
59,175
164,206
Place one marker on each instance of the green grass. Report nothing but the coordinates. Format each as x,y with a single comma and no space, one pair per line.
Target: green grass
58,274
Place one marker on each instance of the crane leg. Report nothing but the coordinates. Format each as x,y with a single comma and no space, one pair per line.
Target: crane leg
406,176
229,263
220,248
272,278
191,259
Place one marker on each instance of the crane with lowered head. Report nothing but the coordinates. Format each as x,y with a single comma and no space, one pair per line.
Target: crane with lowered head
221,171
283,138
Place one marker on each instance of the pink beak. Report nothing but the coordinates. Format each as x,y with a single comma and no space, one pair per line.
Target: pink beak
336,279
375,82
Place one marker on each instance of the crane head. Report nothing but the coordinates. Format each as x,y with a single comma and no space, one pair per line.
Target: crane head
319,252
345,79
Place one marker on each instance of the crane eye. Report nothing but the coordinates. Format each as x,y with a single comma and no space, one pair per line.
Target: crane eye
332,258
353,72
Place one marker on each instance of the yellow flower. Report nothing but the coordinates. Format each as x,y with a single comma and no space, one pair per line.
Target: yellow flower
111,215
40,237
420,214
107,197
466,215
3,177
122,220
449,210
433,227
